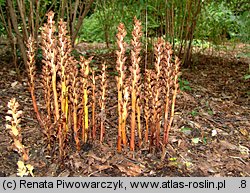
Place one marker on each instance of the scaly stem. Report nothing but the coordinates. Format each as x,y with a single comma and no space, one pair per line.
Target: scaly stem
74,100
93,105
124,114
147,98
54,89
133,114
138,110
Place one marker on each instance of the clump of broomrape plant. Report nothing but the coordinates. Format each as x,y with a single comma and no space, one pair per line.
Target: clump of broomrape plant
71,91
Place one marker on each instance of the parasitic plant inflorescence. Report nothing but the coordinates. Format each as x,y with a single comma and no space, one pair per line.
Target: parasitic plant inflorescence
157,88
31,69
121,68
135,81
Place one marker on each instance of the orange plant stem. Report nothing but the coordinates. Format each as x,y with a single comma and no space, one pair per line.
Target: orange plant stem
132,135
93,106
119,137
35,106
139,122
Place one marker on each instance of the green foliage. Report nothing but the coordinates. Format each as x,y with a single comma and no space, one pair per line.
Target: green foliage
238,6
247,76
219,20
91,31
244,26
2,2
210,112
184,85
194,113
216,20
101,26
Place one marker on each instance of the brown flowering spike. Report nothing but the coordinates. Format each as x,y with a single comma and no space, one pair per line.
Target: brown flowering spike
121,68
156,87
175,89
64,63
31,69
135,79
167,84
49,47
49,51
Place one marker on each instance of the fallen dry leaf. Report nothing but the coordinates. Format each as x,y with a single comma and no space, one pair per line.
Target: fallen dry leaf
244,132
14,84
102,167
130,169
226,145
64,173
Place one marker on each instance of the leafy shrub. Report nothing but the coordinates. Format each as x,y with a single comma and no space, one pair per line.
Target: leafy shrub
91,30
216,20
101,26
244,26
219,20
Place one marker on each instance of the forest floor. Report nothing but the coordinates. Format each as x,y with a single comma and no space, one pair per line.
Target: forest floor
210,134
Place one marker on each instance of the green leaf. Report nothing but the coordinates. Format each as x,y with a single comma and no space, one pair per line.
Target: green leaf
204,140
186,130
194,113
210,112
247,76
